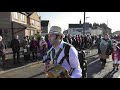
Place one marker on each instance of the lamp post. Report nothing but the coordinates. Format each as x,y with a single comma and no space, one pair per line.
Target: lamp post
84,25
87,18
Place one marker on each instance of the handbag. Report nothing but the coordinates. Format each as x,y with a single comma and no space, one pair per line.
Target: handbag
3,52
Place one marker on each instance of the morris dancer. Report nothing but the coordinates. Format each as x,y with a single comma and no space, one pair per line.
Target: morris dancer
56,53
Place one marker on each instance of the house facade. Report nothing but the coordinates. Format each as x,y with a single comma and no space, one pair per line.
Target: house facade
19,23
77,29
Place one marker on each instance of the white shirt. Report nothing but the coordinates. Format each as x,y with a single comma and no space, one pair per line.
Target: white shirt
73,59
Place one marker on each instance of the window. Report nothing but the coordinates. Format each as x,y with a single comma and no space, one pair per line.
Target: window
37,23
79,30
31,32
22,17
74,30
32,22
15,15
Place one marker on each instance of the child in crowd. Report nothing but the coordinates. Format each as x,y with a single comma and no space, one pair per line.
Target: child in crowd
115,55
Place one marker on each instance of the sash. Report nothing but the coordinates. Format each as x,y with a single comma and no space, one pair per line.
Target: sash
55,56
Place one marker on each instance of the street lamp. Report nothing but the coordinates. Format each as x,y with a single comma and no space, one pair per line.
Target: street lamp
87,18
84,25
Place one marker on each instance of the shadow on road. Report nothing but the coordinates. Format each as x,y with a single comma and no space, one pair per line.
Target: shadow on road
87,57
94,67
110,74
91,59
9,64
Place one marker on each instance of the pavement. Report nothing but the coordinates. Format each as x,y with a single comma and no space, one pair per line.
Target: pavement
9,61
28,71
21,70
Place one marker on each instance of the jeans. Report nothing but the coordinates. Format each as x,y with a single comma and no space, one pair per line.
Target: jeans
14,55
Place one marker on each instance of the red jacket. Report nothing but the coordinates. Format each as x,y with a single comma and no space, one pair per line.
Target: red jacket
118,55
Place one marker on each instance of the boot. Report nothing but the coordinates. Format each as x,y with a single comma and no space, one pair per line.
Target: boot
113,68
117,67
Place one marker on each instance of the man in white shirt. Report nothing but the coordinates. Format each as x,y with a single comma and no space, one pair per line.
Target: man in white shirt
56,53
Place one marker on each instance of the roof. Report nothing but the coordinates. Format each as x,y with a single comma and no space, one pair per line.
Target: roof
78,25
75,25
27,13
44,22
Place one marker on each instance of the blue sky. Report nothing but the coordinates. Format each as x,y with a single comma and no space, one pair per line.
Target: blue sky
62,19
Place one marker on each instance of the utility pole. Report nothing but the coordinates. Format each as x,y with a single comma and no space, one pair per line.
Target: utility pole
12,26
87,18
84,25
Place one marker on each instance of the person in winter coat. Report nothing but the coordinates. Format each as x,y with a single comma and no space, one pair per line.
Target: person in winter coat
104,49
26,49
3,50
33,48
15,45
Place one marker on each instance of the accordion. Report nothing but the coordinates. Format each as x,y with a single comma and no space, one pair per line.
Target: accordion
57,71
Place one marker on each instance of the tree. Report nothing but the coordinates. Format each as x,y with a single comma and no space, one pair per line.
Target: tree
90,25
103,26
95,25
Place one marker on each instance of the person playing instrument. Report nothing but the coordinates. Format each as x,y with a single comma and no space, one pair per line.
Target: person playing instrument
56,53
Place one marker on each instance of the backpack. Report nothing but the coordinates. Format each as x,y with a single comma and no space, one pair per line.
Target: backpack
81,57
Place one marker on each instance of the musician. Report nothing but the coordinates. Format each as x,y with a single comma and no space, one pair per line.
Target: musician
55,37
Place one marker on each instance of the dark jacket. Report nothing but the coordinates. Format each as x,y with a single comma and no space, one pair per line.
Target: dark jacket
33,47
26,45
15,45
109,47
